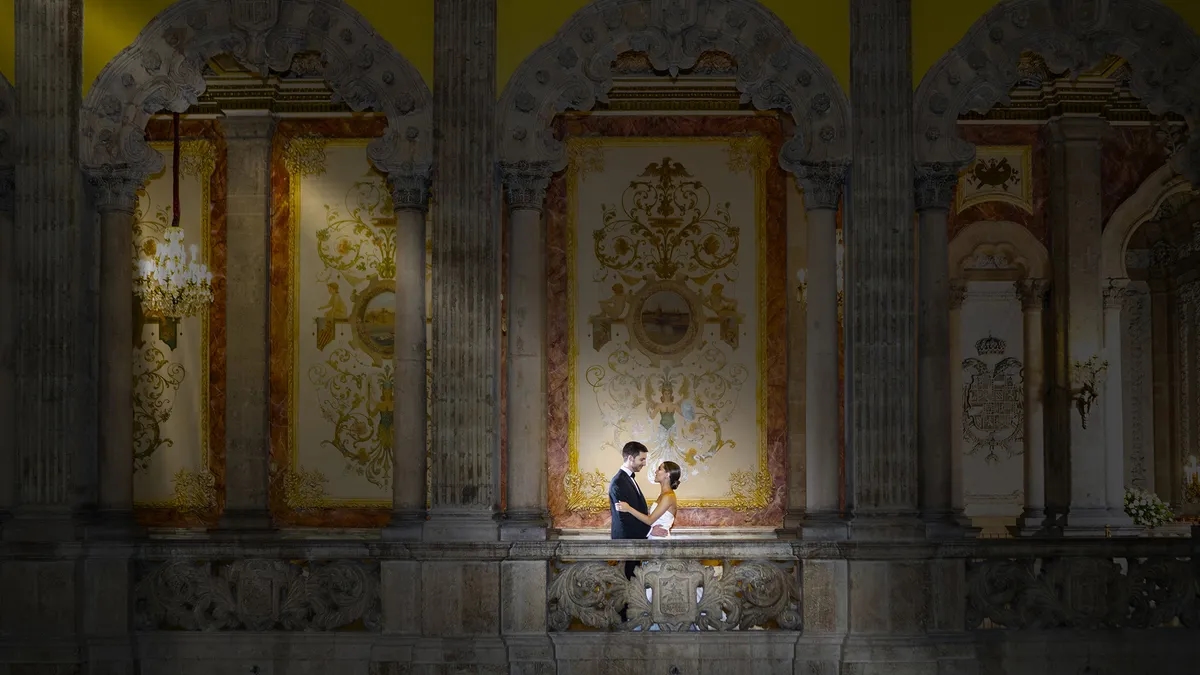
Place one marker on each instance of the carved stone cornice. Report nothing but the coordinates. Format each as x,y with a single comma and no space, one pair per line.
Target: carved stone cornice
410,187
1115,293
114,189
933,186
1032,293
525,184
822,183
563,75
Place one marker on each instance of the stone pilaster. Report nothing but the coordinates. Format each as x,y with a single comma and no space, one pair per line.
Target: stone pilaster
52,247
8,334
526,515
934,190
1076,221
880,317
410,198
1032,294
466,280
956,296
822,186
1114,399
114,195
247,432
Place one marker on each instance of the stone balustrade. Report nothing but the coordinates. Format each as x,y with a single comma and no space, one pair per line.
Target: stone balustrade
713,585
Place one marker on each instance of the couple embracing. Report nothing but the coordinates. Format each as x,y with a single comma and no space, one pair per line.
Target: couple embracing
631,517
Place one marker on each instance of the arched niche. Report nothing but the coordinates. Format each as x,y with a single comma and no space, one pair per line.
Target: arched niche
162,70
997,251
573,71
977,73
1163,184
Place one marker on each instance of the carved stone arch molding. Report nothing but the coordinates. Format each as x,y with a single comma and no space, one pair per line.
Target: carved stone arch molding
1016,253
8,149
573,71
1141,206
977,73
162,70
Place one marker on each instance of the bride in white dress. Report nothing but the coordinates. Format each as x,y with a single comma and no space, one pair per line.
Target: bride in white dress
662,518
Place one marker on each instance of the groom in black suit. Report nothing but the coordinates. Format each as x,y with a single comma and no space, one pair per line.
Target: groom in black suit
624,488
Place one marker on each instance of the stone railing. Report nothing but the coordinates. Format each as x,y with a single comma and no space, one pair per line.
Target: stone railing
680,586
1083,585
698,585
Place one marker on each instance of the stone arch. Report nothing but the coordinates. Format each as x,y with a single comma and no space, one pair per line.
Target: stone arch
1024,255
978,72
573,71
161,70
1141,206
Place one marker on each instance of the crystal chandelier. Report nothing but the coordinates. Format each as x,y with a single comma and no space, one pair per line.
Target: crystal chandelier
171,283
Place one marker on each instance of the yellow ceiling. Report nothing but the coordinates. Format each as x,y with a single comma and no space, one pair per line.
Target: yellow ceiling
523,25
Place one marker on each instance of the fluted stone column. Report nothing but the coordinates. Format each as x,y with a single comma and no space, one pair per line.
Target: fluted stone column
1076,222
8,333
247,273
410,198
934,191
822,186
54,398
880,317
1032,294
466,263
1114,398
526,516
115,197
957,294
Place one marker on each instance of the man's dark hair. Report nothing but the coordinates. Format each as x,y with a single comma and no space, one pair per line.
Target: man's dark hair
632,449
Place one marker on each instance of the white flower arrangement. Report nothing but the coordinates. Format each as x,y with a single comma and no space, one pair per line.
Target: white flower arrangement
1146,509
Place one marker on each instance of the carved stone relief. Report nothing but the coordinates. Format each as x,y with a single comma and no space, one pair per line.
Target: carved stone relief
1070,35
575,70
258,595
1082,593
675,595
163,70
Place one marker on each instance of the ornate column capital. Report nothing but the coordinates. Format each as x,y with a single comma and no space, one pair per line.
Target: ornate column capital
8,189
1115,293
525,184
933,186
1031,293
114,188
410,187
821,182
958,294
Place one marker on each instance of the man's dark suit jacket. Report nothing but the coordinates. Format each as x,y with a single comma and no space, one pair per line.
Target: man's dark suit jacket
625,525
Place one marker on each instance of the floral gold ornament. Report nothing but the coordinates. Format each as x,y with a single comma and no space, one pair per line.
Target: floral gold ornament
667,363
1085,382
169,282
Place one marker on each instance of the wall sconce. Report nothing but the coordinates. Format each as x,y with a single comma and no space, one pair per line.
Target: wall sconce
802,286
1085,378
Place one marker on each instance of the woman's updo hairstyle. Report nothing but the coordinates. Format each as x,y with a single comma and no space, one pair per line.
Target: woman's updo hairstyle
673,472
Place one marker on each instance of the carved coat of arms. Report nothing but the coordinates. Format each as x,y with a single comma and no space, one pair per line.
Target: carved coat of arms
993,402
